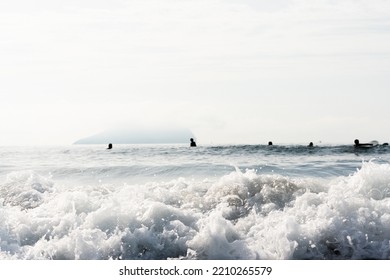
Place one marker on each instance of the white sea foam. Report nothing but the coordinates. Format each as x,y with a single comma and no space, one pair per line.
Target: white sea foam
242,215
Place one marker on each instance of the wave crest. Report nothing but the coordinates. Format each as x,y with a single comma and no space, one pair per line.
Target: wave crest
25,189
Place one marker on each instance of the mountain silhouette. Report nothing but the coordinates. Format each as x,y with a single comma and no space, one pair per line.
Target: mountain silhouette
139,136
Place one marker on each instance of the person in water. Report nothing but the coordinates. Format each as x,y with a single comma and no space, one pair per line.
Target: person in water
270,143
109,146
192,142
310,144
362,145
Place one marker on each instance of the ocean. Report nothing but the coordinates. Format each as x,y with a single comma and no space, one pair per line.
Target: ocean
162,202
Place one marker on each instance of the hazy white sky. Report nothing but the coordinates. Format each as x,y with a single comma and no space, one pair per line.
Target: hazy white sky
232,71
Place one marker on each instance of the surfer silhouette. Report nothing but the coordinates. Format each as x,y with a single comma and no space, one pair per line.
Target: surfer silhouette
109,146
310,144
363,145
192,142
270,143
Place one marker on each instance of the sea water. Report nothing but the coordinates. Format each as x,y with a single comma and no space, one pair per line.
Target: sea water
209,202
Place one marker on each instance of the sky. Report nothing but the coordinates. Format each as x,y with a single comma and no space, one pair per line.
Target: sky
232,71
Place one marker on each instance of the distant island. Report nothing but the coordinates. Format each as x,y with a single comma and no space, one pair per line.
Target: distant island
140,136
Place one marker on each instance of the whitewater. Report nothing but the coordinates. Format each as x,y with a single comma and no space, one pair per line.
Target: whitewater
159,202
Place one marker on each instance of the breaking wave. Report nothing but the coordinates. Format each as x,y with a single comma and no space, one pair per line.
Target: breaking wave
242,215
